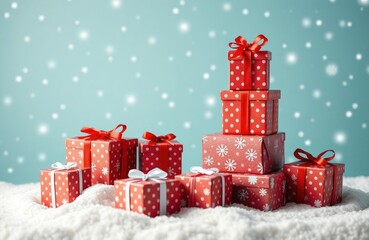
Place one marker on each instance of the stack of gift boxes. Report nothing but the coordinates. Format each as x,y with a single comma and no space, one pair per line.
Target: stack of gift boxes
244,164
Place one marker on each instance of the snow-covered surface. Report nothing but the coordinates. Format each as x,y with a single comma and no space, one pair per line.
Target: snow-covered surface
92,216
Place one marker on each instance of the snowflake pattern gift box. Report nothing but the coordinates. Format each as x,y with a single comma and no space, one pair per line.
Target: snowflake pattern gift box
150,194
205,188
243,153
264,192
63,184
250,112
314,181
110,157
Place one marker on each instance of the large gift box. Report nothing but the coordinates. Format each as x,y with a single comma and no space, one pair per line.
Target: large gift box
250,112
109,155
150,194
243,153
62,184
248,66
160,152
264,192
205,188
313,180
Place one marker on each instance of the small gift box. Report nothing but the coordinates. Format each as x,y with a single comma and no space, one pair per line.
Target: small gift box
160,152
205,188
313,180
109,155
150,194
248,66
250,112
264,192
62,184
243,153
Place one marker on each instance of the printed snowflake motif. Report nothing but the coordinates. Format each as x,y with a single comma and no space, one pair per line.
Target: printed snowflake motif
93,167
240,143
317,203
262,192
204,139
266,207
230,164
272,183
208,160
293,177
206,192
253,180
171,171
243,194
260,168
222,150
105,171
64,201
117,166
251,154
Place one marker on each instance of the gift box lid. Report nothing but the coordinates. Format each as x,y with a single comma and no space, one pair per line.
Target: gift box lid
261,55
302,164
259,181
141,183
65,171
201,176
145,147
105,144
230,95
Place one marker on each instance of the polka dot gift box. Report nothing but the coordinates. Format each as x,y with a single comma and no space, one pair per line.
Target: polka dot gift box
150,194
250,112
205,188
248,66
62,184
313,180
264,192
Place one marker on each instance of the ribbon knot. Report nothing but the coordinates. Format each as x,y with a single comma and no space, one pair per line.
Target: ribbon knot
320,160
206,171
94,134
155,173
60,166
241,45
153,139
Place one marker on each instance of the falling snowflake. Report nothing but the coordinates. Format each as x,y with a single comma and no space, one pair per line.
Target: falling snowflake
64,201
266,207
206,192
209,160
262,192
251,154
239,143
105,171
93,167
230,164
317,203
331,69
260,168
253,180
272,183
222,150
243,194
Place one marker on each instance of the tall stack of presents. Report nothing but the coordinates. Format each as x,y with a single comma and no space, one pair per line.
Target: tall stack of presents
244,164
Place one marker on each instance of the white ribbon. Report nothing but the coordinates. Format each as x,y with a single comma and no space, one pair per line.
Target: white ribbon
211,171
155,175
59,166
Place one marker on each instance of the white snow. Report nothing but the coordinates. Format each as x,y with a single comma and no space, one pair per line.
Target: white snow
92,216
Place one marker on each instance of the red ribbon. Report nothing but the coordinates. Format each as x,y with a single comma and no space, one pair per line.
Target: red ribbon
163,143
244,48
320,160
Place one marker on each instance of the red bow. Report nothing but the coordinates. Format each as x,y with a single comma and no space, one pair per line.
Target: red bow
94,133
153,139
320,160
242,46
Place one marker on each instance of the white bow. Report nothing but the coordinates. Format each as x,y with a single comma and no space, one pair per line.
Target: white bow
155,173
60,166
207,171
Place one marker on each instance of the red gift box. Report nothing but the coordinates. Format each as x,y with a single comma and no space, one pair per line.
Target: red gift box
264,192
108,154
243,153
314,181
248,66
62,184
149,194
250,112
205,188
160,152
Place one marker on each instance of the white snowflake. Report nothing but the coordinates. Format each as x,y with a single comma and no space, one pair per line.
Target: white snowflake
272,183
317,203
253,179
206,192
260,168
239,143
105,171
266,207
208,160
171,171
262,192
293,177
222,150
117,166
93,167
230,164
204,139
243,194
64,201
251,154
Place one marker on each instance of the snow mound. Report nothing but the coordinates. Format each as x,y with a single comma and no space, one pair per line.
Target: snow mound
92,216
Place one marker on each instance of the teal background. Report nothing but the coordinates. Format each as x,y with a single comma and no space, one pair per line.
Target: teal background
174,84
